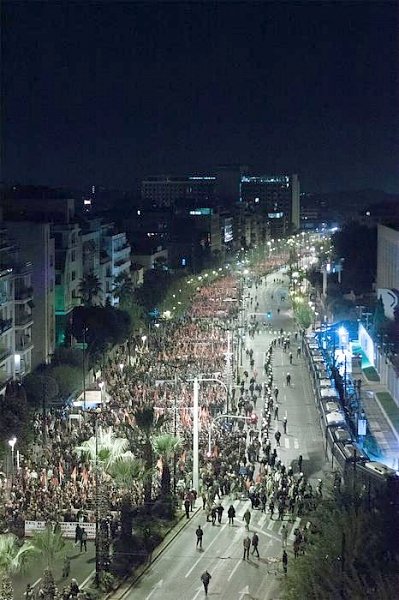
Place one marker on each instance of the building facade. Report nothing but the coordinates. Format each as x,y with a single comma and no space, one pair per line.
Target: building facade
167,191
276,197
117,249
36,246
388,257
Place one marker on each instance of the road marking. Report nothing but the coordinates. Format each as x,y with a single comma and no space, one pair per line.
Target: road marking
203,554
156,587
270,525
87,579
262,520
36,582
287,443
234,570
197,594
296,444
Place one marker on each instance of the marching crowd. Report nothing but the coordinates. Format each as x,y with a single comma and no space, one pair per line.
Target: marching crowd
54,483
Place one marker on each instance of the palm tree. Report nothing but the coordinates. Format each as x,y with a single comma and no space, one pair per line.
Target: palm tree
148,425
49,545
166,446
89,289
13,559
105,449
127,473
123,287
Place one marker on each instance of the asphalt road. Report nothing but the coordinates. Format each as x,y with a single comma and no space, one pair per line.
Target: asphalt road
176,573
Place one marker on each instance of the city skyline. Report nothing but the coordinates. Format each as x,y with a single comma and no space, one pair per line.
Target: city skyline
111,93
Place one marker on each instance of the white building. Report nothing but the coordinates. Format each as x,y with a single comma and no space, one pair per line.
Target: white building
117,249
36,246
388,257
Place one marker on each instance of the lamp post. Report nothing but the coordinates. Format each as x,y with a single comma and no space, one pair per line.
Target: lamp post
196,383
12,443
84,367
97,577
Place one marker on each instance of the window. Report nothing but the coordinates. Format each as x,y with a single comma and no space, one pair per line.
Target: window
73,275
73,256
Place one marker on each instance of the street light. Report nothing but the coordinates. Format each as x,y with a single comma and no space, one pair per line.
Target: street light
12,443
196,383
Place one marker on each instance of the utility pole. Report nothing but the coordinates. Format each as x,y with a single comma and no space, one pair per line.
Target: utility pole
195,436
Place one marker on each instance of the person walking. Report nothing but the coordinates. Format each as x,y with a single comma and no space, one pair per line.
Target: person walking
288,379
78,533
199,533
277,436
66,569
187,506
276,393
247,518
255,544
284,536
285,562
231,513
300,460
290,358
83,539
276,413
219,510
285,425
271,508
247,544
205,578
213,515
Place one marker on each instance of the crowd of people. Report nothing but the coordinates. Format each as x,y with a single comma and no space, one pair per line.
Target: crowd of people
56,483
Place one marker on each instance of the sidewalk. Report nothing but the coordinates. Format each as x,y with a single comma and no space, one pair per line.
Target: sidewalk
382,418
82,566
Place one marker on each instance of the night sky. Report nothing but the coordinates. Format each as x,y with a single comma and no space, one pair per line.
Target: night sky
110,92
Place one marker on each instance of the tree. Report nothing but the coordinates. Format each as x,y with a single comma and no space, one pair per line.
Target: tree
166,445
49,545
14,413
68,379
13,559
123,287
351,553
104,326
106,449
48,586
126,472
89,289
148,425
39,387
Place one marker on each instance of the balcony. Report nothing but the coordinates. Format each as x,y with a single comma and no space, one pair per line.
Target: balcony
5,325
121,262
23,345
4,379
121,248
23,294
23,320
4,353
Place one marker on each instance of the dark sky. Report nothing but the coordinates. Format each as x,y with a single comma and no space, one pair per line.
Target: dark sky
109,92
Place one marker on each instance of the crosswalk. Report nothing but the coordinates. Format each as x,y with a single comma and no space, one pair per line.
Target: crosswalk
262,523
291,442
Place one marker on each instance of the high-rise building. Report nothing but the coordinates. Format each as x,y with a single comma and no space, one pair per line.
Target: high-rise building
167,191
276,197
36,247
